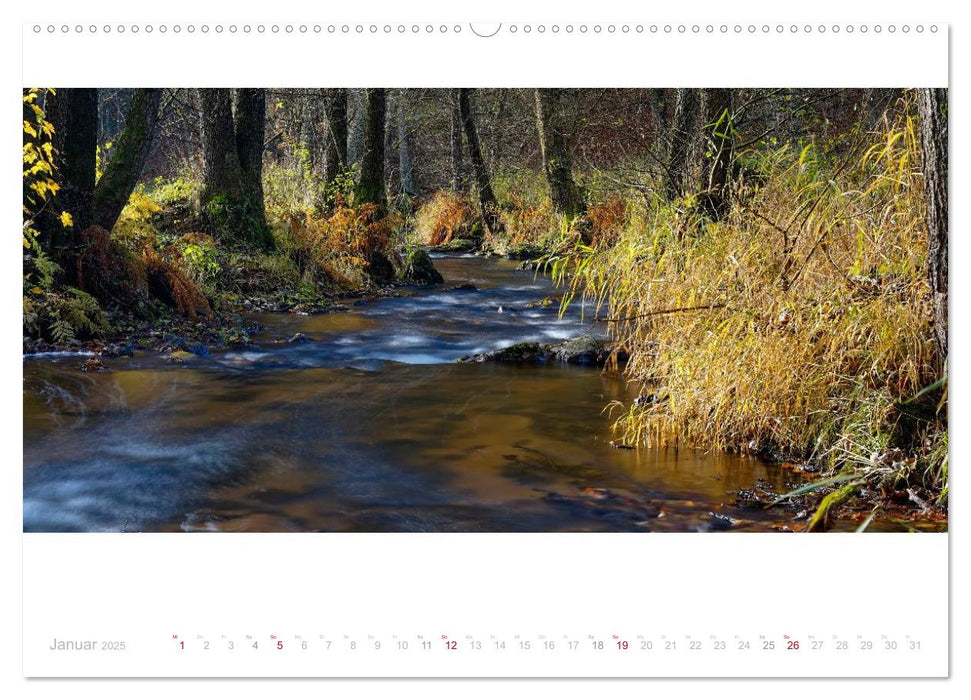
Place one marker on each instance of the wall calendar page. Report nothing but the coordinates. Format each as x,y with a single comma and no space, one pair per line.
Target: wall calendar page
545,347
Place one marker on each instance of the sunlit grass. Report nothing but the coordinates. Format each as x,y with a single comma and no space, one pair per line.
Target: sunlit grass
798,324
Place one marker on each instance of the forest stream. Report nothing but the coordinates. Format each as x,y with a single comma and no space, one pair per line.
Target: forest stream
370,425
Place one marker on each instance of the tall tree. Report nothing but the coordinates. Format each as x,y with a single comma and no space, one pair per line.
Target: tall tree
128,157
932,107
335,142
74,114
355,136
498,118
370,185
567,197
249,124
222,175
406,167
487,198
685,130
658,102
231,197
91,201
719,147
458,178
308,129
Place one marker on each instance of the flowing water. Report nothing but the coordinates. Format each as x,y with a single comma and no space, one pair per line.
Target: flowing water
370,426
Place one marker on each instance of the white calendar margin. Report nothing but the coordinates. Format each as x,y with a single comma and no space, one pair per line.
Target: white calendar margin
110,10
308,52
154,591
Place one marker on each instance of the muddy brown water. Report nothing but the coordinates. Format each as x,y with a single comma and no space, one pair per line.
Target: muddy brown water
370,426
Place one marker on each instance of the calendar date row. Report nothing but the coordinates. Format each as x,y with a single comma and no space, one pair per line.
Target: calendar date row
614,643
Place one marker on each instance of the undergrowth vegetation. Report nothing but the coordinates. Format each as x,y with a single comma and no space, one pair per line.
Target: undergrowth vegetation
157,258
447,217
799,325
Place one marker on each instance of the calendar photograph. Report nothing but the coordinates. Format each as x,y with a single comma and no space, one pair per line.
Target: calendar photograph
259,309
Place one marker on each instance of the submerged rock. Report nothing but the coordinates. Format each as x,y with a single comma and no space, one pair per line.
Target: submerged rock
456,245
520,352
524,251
463,287
719,523
171,341
584,350
298,338
419,269
93,365
199,349
380,268
119,349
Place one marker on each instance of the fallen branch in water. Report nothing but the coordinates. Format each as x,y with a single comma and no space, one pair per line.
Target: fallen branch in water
662,312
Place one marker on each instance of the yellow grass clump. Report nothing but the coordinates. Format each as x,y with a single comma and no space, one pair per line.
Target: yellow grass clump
340,247
446,216
800,322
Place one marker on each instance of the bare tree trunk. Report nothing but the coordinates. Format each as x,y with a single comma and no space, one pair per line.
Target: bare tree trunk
406,170
355,138
232,198
222,175
74,115
498,117
250,127
308,129
684,135
658,102
392,183
567,197
130,153
932,106
458,176
719,137
335,146
487,199
370,186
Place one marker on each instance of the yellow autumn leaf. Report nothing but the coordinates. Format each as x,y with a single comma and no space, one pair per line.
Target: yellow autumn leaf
66,219
36,290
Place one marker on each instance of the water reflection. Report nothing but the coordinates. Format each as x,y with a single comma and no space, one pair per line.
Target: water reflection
368,427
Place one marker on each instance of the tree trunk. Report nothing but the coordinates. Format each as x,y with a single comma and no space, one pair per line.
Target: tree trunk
458,176
932,106
567,197
370,186
355,137
130,153
498,117
406,169
222,175
335,146
487,199
658,102
308,130
719,144
684,136
74,116
249,126
392,183
231,198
